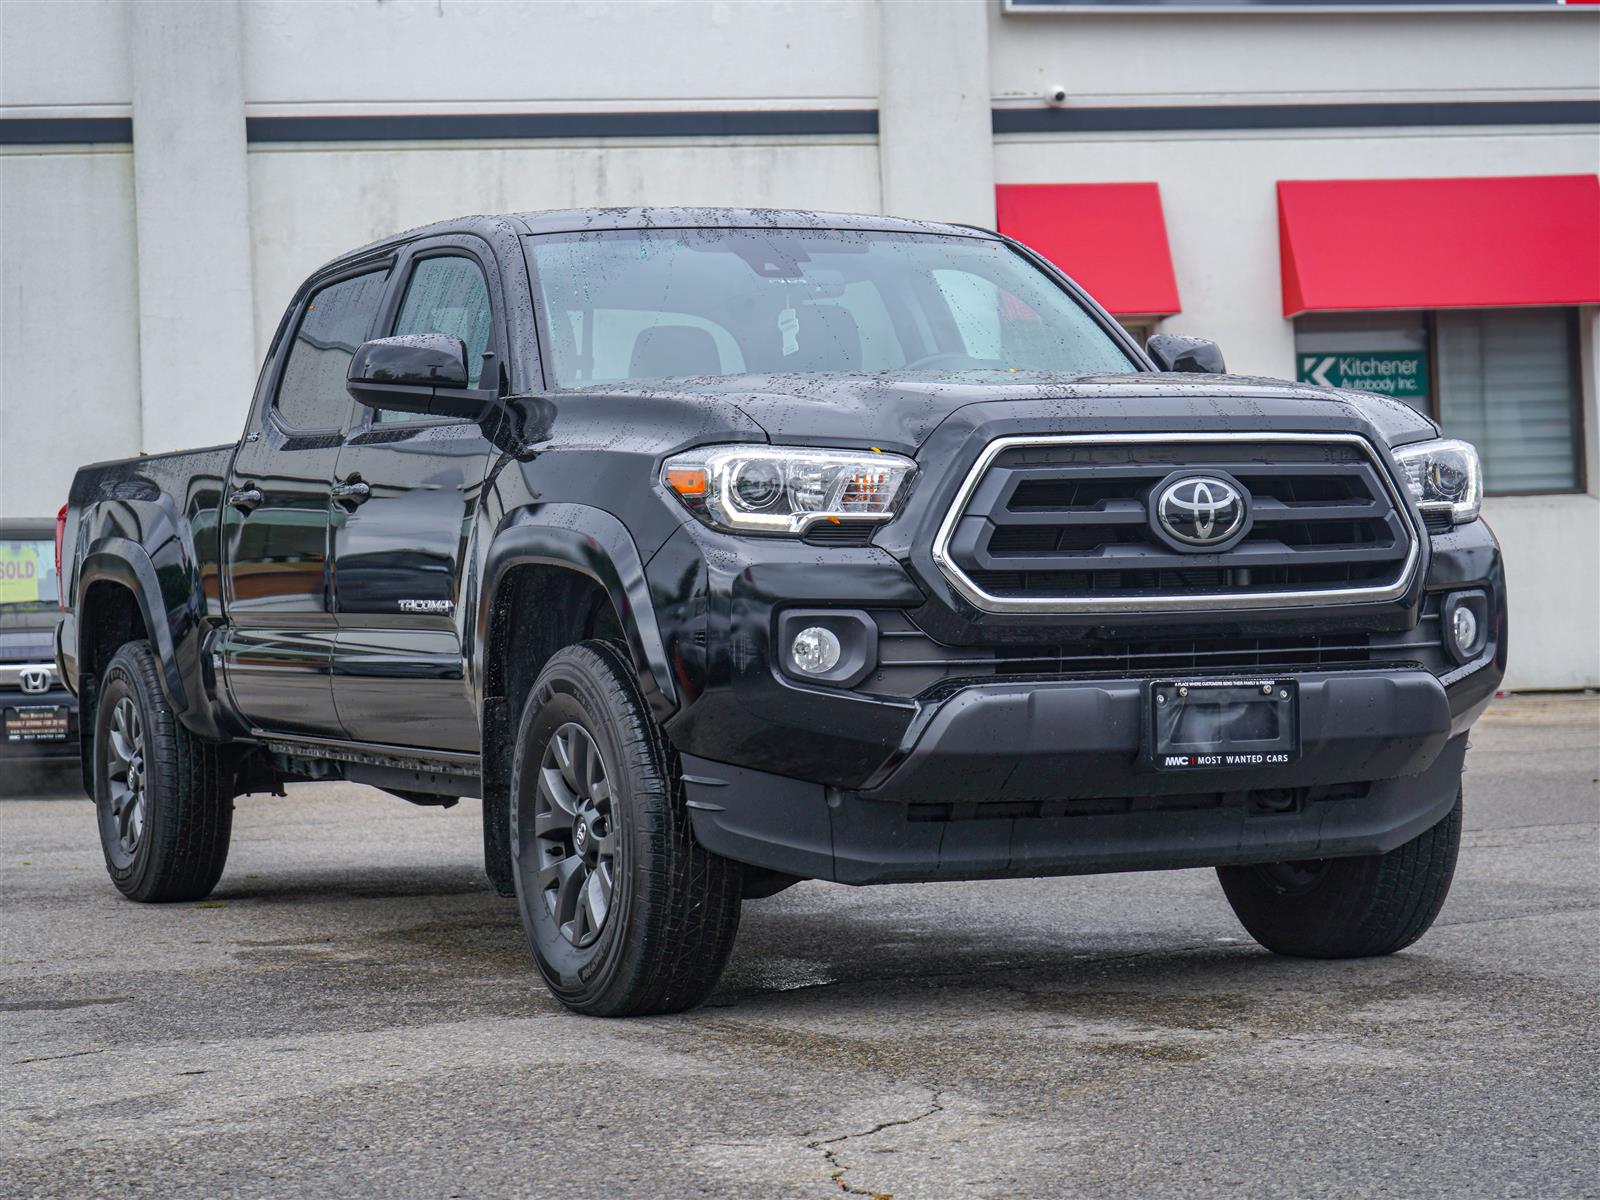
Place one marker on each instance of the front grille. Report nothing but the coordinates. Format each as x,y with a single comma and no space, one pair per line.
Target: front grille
912,664
834,532
1064,524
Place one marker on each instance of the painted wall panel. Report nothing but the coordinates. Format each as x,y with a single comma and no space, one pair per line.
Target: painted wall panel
1220,200
1211,58
308,206
471,52
64,54
69,323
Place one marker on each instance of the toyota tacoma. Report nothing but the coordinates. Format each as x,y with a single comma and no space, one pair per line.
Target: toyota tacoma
721,549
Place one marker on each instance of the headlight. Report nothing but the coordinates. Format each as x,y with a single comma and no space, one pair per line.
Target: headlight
1444,477
783,490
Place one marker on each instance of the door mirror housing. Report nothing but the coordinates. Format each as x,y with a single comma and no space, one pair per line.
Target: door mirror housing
422,373
1175,353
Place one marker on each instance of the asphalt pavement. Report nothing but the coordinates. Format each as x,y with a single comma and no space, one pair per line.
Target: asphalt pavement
353,1013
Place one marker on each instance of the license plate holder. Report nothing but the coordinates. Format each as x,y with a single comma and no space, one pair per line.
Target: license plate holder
1223,724
36,723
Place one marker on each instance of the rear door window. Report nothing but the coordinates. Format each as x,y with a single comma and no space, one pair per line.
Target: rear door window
336,320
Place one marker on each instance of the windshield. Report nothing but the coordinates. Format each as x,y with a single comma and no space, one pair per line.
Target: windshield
27,576
625,306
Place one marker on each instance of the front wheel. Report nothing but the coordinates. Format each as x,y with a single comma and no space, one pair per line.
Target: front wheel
624,913
1348,907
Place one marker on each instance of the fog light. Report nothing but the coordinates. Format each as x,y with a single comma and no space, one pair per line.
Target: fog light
1464,628
815,650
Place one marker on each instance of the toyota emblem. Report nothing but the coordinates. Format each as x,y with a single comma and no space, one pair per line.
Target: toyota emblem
35,680
1202,511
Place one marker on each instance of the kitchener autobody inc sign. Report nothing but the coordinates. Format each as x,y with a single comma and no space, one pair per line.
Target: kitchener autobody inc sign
1402,374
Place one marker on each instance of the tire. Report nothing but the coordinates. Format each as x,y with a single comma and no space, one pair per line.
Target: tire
589,757
1348,907
161,799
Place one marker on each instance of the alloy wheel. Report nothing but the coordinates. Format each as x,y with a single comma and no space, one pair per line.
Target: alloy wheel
576,835
1293,878
128,803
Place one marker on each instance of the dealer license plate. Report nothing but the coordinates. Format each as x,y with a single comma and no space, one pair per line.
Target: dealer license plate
36,723
1224,724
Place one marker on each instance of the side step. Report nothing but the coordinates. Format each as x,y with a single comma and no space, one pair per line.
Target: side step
394,768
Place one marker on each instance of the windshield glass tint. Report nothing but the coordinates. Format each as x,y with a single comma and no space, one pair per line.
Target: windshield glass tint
637,305
27,574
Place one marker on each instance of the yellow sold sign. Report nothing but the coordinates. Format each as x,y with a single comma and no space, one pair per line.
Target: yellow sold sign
27,571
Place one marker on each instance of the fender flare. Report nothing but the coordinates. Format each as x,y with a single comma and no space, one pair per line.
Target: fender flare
594,543
125,562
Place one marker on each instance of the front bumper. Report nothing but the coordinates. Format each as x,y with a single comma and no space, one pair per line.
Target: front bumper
806,830
1035,776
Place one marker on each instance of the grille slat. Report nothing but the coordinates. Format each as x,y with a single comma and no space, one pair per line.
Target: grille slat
911,663
1065,521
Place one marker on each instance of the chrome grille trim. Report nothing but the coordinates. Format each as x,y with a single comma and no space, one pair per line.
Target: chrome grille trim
11,674
983,600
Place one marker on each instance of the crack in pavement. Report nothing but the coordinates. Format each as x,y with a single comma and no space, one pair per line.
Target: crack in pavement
994,971
22,1062
1554,912
837,1170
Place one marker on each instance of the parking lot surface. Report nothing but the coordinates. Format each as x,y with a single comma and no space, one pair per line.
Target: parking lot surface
353,1012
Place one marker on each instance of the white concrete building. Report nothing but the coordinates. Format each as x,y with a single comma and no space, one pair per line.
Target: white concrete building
169,172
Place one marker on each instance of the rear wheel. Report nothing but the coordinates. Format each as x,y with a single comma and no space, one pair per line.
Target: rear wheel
164,813
624,913
1348,907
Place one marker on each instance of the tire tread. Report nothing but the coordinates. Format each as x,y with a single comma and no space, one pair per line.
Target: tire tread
1363,907
193,829
686,919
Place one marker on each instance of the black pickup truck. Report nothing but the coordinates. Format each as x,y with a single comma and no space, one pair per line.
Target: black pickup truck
721,549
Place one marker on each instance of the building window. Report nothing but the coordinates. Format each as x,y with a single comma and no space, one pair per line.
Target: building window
1504,379
1139,328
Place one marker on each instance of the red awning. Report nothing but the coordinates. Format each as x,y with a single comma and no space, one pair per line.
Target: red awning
1362,244
1110,237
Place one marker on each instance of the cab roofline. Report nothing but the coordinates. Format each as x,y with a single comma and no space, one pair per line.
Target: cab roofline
585,220
579,220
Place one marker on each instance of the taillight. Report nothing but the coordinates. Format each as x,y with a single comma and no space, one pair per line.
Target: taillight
61,533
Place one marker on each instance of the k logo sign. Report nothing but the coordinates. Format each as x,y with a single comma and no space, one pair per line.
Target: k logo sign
1399,373
1314,369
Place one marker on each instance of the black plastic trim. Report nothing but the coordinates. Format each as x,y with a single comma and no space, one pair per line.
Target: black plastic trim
407,127
1175,118
410,127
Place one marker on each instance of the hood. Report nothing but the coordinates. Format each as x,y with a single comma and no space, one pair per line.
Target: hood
899,410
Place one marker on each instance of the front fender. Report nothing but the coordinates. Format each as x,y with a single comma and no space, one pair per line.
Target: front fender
594,543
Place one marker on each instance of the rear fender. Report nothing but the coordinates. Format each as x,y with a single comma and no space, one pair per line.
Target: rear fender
123,562
174,621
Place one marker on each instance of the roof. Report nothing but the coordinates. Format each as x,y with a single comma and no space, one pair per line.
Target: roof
577,220
572,220
27,529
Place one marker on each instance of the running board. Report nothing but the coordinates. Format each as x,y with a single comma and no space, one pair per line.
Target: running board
372,754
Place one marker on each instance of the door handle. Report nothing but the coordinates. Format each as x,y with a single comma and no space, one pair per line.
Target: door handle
246,499
351,492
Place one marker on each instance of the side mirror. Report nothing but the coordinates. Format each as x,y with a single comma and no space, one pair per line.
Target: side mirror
1175,353
423,373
